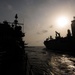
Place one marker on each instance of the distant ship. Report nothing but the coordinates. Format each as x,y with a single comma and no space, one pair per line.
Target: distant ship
62,44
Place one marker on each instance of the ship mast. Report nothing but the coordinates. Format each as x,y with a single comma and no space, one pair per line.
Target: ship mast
15,23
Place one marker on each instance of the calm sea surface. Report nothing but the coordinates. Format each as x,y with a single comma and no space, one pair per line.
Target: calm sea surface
44,62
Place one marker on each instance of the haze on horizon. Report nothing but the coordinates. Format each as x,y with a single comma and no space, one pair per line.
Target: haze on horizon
39,17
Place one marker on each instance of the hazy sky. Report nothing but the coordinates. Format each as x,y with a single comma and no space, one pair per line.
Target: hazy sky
39,17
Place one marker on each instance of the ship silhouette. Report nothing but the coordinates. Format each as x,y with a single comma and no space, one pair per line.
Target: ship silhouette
62,44
12,48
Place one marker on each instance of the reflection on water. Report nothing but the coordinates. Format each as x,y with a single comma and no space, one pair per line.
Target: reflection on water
49,63
62,65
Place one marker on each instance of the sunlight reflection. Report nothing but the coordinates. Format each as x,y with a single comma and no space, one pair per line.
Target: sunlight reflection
71,66
65,60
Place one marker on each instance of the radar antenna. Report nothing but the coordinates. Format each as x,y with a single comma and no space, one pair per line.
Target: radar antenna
15,23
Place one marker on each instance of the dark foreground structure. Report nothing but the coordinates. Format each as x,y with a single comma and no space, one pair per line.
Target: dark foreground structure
62,44
12,48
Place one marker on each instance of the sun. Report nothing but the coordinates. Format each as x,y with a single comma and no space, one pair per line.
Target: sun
62,21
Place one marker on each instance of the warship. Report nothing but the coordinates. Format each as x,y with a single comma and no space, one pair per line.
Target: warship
62,44
12,48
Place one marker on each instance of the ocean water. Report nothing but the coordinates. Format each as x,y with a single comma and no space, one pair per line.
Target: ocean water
46,62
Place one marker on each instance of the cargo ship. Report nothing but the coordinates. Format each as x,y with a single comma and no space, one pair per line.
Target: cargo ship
62,44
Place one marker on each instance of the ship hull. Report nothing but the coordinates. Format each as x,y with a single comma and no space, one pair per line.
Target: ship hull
66,45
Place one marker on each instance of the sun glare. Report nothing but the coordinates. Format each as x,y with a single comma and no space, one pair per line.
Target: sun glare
62,21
